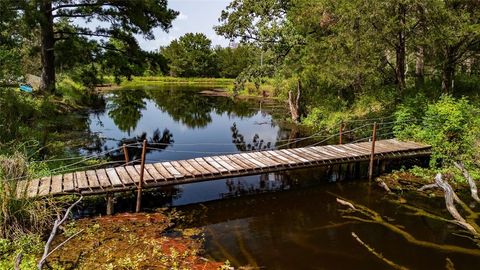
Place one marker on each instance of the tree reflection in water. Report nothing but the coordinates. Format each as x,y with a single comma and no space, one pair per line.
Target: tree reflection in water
239,141
159,141
125,108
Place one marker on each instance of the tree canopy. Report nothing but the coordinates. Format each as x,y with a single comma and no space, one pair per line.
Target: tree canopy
55,22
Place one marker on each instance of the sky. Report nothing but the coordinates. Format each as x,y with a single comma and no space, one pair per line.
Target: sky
196,16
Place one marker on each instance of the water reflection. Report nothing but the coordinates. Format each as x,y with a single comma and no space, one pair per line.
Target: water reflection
125,108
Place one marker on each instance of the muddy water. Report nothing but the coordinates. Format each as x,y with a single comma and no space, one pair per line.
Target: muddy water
288,220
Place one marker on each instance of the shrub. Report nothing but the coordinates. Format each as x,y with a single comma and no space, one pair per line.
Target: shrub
450,126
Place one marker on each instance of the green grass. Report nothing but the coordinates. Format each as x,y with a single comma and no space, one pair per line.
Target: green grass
160,80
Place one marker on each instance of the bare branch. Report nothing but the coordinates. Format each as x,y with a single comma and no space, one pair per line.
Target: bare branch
378,255
471,182
56,225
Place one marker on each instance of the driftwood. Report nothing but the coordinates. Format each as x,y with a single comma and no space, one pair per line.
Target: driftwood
53,233
378,255
471,182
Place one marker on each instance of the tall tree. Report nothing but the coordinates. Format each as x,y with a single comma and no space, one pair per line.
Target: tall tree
191,56
118,19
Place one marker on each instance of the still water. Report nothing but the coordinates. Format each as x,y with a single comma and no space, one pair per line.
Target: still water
288,220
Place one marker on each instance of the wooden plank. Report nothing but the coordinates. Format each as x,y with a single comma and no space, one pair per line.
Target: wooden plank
157,176
293,155
163,171
224,164
304,154
92,179
351,151
248,164
194,172
265,159
44,187
103,178
362,151
283,157
275,158
198,167
181,169
124,176
253,160
82,181
57,184
317,156
113,177
216,165
133,174
172,170
32,189
207,166
324,152
147,177
239,166
69,184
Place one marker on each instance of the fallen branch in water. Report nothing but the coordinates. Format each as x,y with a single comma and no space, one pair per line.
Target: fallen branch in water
378,255
471,182
383,185
450,197
429,186
53,233
370,216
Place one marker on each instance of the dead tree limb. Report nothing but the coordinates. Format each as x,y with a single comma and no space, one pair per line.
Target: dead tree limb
378,255
471,182
18,261
56,225
429,186
370,216
449,201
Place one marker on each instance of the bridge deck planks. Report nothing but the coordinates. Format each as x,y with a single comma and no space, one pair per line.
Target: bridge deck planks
215,167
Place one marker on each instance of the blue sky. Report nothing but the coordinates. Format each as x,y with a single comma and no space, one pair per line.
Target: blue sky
195,16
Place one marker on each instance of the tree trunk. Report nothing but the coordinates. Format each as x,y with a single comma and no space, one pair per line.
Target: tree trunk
400,49
420,67
420,53
47,47
448,71
294,103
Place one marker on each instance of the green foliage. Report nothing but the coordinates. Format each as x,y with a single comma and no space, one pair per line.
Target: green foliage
231,62
451,126
191,56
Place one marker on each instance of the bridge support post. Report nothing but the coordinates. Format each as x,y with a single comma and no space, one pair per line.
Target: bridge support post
140,184
372,155
110,201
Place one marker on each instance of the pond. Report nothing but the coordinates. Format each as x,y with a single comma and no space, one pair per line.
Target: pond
245,221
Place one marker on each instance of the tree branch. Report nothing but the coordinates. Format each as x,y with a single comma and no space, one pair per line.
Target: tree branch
56,225
471,182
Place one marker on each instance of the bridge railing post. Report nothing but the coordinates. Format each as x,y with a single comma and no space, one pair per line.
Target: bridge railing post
140,184
125,153
340,139
372,155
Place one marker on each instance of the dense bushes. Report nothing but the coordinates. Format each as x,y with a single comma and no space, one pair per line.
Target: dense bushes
451,126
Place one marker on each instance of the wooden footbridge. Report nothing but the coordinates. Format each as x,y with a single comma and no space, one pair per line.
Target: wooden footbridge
124,178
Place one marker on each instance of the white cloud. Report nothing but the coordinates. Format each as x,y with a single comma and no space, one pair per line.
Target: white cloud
182,17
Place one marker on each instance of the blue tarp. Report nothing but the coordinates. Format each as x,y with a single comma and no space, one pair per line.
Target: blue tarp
26,88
